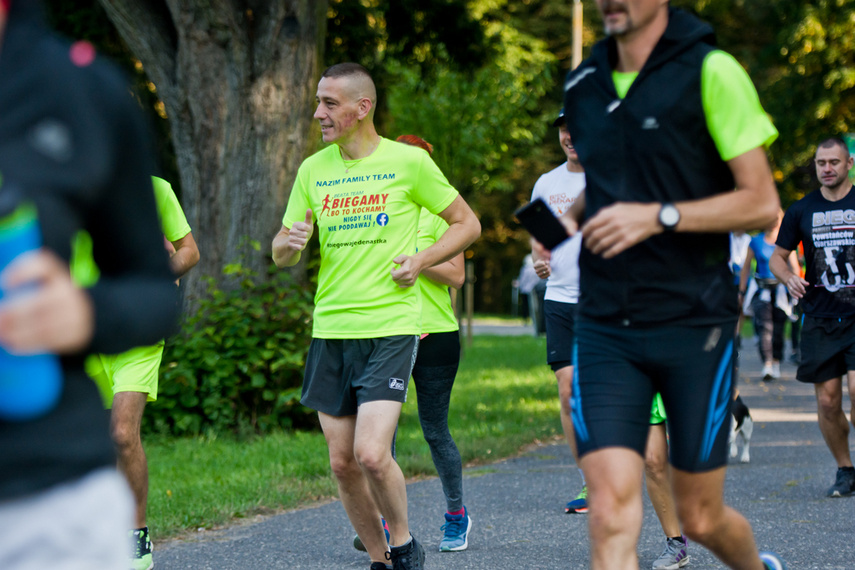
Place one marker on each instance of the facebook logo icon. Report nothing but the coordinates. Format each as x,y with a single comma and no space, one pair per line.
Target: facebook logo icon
382,219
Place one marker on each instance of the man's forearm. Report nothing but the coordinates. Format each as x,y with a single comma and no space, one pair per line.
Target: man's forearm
456,238
780,268
183,260
451,273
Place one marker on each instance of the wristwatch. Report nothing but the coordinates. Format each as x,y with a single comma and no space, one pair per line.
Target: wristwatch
669,217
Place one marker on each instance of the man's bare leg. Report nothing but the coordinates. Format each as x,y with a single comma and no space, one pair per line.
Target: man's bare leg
614,499
832,421
353,487
375,427
709,522
658,480
125,421
564,376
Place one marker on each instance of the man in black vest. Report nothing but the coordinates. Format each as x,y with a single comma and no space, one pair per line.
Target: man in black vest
671,135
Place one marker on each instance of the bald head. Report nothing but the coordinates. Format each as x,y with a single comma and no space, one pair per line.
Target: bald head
355,80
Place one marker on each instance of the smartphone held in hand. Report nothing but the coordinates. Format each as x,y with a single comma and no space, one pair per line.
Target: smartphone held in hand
542,224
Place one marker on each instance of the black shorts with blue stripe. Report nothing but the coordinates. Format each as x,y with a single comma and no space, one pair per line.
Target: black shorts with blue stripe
619,369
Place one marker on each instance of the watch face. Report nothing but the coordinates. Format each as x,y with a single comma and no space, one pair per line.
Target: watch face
669,215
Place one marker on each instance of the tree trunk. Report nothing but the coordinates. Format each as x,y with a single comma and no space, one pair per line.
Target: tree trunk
237,79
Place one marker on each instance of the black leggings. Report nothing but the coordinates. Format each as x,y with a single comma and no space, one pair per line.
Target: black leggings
769,321
433,374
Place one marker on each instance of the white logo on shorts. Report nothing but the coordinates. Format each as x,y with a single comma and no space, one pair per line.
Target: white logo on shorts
650,123
712,340
396,384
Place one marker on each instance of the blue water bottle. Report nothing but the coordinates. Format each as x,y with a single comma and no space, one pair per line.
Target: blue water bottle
30,386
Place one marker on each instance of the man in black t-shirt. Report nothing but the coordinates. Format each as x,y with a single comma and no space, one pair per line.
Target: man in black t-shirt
824,222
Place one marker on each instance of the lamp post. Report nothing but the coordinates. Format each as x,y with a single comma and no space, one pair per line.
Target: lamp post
577,33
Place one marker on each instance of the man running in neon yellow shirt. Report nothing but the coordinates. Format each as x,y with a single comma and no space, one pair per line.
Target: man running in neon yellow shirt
365,193
128,380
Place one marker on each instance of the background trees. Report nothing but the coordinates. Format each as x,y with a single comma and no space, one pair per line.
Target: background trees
480,79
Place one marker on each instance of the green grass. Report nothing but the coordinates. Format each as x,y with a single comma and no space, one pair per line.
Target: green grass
504,398
495,319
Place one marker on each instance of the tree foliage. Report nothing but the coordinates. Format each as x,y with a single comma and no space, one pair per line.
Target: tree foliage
238,364
801,56
481,79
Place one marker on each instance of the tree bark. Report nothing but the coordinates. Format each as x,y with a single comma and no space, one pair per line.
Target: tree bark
237,79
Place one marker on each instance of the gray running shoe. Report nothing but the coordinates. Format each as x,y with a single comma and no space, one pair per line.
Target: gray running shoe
845,483
675,555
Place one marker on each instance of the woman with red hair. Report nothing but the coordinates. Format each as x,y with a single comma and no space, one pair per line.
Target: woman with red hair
435,370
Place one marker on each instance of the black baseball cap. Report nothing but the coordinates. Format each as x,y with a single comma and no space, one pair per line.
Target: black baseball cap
560,120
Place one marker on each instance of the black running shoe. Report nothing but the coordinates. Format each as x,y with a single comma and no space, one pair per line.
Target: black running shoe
411,556
845,483
379,566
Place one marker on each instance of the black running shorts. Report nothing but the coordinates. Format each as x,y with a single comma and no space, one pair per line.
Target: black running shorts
827,349
618,371
560,323
342,374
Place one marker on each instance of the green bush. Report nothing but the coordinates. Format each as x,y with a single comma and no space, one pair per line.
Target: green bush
236,365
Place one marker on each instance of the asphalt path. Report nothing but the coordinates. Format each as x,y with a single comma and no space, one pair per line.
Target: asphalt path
517,506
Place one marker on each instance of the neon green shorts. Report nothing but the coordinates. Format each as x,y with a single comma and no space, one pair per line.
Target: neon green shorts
657,412
133,371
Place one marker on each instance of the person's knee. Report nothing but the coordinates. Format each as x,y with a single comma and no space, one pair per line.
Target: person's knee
612,498
125,434
564,377
656,467
435,435
611,512
344,467
698,522
373,459
564,397
698,529
828,402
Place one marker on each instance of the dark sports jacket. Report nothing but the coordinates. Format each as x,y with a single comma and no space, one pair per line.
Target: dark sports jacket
652,146
74,140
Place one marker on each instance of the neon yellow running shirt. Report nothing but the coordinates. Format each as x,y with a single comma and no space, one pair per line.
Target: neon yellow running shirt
366,213
735,118
173,223
437,312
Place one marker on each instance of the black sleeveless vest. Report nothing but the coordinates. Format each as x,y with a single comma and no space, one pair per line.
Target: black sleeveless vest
652,146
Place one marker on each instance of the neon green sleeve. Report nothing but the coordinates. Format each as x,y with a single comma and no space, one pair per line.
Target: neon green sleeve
735,118
172,220
432,190
298,202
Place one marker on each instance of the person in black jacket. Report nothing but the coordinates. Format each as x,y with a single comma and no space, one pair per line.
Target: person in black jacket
73,144
666,127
